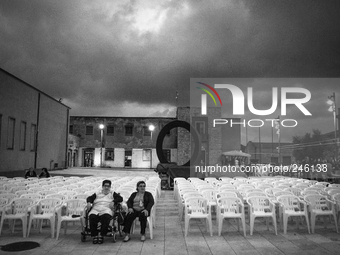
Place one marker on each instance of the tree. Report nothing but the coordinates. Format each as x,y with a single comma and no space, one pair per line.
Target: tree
309,146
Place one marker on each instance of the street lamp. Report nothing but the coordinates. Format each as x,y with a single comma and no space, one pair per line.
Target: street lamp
151,129
332,102
101,127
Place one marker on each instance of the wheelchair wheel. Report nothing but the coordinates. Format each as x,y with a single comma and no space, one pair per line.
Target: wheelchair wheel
114,238
82,237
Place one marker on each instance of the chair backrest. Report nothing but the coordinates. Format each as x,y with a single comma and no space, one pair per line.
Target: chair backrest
209,194
316,201
226,194
289,202
21,192
48,205
75,206
20,205
3,202
230,205
282,192
35,196
191,195
56,195
295,191
309,192
44,193
334,185
8,196
259,203
332,192
197,205
69,194
125,194
80,196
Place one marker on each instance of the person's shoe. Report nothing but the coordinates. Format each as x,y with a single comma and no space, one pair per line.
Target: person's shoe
142,238
95,240
100,240
126,238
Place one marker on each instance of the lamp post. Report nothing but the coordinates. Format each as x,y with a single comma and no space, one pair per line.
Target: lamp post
151,128
332,102
101,127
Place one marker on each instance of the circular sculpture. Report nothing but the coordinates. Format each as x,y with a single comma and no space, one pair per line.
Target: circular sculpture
166,129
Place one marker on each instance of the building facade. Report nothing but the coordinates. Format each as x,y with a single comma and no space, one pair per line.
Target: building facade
123,141
33,127
128,142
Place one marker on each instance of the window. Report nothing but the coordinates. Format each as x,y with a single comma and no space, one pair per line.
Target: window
10,133
71,129
146,131
129,130
23,136
89,130
32,137
109,154
110,130
146,155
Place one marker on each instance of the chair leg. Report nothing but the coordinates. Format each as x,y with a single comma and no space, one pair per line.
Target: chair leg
29,226
186,224
275,224
220,225
252,221
336,224
307,222
58,228
1,223
312,219
24,226
244,225
52,221
285,224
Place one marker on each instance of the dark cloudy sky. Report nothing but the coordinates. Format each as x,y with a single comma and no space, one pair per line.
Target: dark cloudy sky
127,58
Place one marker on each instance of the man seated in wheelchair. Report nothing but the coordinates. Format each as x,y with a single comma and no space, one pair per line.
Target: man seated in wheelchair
100,208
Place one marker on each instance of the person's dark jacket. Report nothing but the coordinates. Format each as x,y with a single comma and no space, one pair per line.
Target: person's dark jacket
148,201
117,198
44,175
29,174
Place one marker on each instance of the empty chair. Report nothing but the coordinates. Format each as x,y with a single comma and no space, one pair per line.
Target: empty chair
80,196
74,210
261,207
230,207
17,209
320,205
44,210
292,206
8,196
44,193
197,208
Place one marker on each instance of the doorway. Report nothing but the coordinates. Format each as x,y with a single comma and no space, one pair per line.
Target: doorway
88,158
128,158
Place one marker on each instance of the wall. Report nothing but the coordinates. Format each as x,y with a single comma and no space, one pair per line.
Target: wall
20,100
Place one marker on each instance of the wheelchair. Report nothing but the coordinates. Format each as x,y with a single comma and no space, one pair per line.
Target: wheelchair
115,226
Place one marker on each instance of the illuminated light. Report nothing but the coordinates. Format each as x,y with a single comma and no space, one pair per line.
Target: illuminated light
331,109
151,128
101,126
330,102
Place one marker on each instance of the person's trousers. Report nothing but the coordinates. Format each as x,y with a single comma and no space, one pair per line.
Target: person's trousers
130,217
104,219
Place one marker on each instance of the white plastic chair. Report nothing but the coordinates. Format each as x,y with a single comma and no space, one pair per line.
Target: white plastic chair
320,205
292,206
17,209
74,211
8,196
261,207
44,210
197,208
230,207
150,223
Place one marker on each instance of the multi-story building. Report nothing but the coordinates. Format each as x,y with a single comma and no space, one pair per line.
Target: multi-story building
128,141
33,126
122,141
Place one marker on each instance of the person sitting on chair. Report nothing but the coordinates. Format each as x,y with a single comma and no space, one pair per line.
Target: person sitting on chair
44,173
101,208
139,205
30,173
